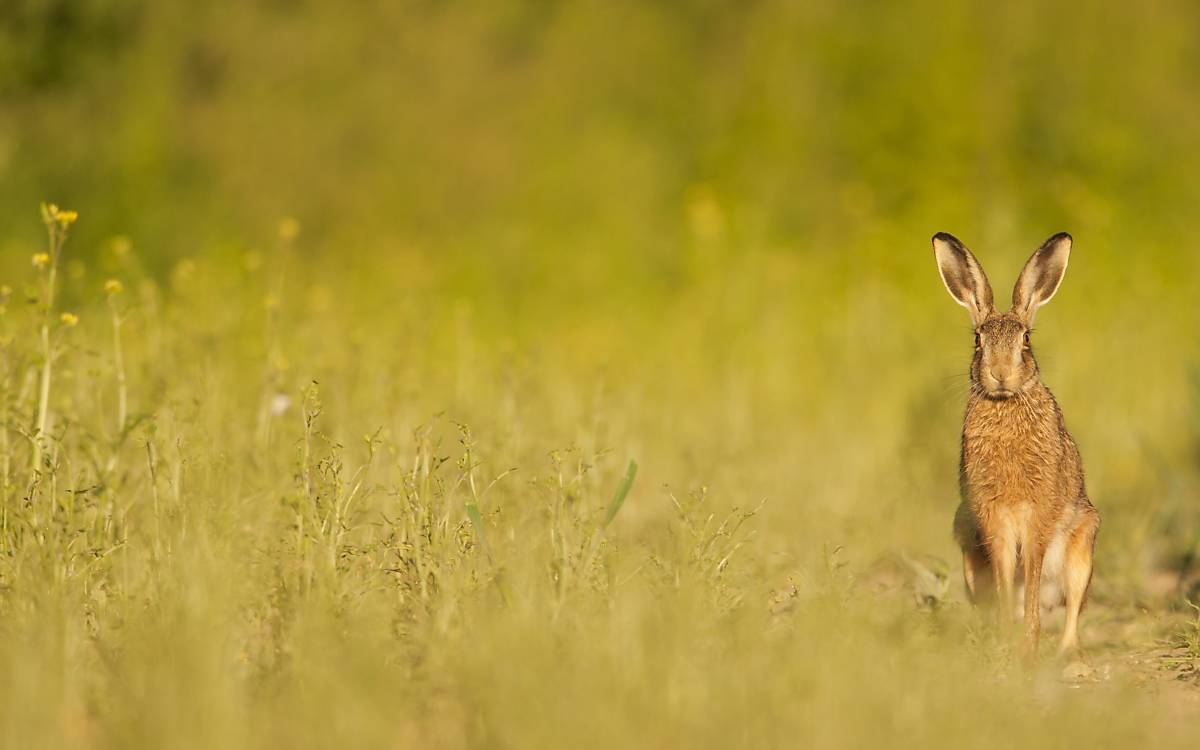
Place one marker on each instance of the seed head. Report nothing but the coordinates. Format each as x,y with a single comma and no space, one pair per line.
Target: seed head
41,260
69,319
112,287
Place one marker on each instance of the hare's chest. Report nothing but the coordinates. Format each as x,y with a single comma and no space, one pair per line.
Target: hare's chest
1009,462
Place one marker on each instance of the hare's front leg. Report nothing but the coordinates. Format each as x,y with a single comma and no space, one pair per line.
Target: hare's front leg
1033,553
1002,551
1077,577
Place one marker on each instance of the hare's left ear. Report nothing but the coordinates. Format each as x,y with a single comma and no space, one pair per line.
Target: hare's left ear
1042,275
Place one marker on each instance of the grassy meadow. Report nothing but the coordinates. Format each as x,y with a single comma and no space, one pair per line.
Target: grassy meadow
577,374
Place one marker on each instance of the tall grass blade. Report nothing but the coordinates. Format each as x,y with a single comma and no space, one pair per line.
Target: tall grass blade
477,523
622,491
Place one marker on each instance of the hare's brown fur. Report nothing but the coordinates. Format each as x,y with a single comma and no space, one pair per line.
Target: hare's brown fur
1022,485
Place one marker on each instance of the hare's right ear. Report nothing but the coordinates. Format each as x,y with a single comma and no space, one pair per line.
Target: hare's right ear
964,277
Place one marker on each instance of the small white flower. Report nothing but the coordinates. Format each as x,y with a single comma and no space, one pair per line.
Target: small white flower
280,403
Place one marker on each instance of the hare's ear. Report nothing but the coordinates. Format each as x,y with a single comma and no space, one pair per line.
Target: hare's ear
963,276
1041,276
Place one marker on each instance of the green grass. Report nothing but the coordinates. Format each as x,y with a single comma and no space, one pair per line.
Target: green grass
322,525
602,391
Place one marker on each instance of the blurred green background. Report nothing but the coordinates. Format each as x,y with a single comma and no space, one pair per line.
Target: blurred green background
570,144
695,234
730,193
676,198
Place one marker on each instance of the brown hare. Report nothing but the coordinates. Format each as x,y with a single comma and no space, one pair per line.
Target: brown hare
1021,476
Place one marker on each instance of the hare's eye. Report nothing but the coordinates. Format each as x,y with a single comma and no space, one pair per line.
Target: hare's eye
1027,339
978,341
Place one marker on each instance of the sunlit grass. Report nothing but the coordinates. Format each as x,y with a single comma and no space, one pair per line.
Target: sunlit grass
230,523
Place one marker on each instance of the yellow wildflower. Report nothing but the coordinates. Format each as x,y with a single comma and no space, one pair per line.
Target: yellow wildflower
183,270
705,216
51,212
121,245
41,260
70,319
113,287
289,228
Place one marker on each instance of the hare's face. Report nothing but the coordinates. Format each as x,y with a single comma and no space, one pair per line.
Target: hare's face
1003,365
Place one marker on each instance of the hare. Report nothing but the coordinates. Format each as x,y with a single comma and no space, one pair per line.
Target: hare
1021,476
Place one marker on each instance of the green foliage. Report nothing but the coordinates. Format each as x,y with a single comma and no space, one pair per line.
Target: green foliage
368,306
622,492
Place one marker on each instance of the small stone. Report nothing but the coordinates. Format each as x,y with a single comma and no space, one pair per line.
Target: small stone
1077,671
782,600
